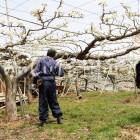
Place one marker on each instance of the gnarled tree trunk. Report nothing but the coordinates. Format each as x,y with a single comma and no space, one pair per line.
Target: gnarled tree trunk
11,109
10,99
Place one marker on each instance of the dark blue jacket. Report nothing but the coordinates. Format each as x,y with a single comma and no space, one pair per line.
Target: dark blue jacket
47,68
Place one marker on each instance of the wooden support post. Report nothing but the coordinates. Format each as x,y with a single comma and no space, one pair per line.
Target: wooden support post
21,98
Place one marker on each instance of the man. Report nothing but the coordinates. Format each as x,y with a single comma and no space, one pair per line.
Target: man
46,70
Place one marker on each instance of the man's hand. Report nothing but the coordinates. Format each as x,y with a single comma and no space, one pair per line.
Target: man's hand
39,82
33,86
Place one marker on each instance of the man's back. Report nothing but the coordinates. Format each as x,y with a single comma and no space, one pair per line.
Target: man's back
47,68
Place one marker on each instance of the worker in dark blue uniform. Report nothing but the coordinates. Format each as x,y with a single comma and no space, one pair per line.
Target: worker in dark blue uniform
46,70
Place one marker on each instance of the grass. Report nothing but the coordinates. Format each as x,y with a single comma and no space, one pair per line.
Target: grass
94,117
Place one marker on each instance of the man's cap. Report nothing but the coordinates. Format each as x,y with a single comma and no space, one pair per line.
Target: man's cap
51,52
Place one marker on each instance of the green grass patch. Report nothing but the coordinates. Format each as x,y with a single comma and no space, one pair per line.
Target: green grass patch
95,117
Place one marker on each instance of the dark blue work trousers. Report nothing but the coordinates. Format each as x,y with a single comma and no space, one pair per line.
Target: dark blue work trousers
47,97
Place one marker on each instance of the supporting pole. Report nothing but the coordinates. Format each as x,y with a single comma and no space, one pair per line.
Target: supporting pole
21,98
138,10
6,5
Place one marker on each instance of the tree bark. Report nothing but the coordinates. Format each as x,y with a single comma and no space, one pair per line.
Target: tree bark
10,98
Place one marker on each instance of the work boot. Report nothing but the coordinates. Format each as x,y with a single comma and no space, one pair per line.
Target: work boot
59,120
42,123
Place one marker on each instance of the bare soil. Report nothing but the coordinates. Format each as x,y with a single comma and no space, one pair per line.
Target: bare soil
129,133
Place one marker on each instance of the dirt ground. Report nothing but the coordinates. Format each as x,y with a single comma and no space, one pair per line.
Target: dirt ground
129,133
22,129
28,129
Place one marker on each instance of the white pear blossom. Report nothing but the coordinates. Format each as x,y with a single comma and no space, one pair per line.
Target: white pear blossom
2,21
126,6
132,14
9,22
12,21
96,30
7,33
128,10
39,10
114,14
110,16
9,43
36,42
75,13
106,18
44,5
15,22
42,8
102,2
19,23
34,12
59,12
87,31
